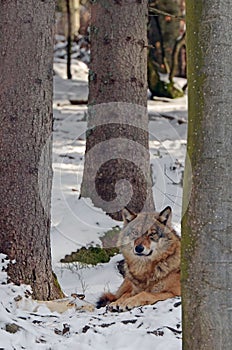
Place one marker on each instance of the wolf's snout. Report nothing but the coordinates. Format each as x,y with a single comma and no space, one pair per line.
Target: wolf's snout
139,248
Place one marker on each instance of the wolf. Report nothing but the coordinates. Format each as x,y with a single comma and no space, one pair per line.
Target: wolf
151,250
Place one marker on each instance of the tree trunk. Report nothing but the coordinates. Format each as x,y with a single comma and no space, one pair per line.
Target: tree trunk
117,169
26,44
69,40
206,225
175,55
155,40
75,10
164,31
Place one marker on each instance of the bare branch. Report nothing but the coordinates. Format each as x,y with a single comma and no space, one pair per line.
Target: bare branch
163,13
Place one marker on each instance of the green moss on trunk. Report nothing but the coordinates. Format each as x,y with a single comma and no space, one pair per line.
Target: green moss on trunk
196,46
60,293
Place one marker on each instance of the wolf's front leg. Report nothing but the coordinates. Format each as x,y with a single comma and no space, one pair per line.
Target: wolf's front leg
144,298
123,292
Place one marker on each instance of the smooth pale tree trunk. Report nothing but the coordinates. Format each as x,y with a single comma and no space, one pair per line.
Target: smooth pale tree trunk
207,223
26,56
75,8
117,169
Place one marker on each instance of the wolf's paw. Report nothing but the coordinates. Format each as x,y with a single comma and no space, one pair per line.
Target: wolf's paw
121,306
115,307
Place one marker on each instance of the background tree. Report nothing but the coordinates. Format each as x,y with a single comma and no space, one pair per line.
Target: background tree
164,30
68,24
206,226
26,44
69,39
61,8
117,170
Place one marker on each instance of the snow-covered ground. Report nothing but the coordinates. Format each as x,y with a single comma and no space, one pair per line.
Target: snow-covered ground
75,222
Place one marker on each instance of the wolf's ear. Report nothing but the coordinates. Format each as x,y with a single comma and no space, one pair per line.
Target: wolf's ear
165,215
127,216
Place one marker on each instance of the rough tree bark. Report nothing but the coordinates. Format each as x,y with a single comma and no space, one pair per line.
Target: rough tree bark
117,170
26,51
207,223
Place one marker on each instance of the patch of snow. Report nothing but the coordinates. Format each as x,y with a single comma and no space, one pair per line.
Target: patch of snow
154,326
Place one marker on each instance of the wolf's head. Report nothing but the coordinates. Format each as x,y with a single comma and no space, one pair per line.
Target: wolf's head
147,234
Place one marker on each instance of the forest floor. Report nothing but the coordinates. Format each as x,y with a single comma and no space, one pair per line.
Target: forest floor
76,223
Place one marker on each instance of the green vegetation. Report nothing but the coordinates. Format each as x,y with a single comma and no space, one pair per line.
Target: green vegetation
95,255
91,255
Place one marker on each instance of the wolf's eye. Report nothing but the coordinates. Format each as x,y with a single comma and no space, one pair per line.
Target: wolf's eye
133,234
154,236
160,232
